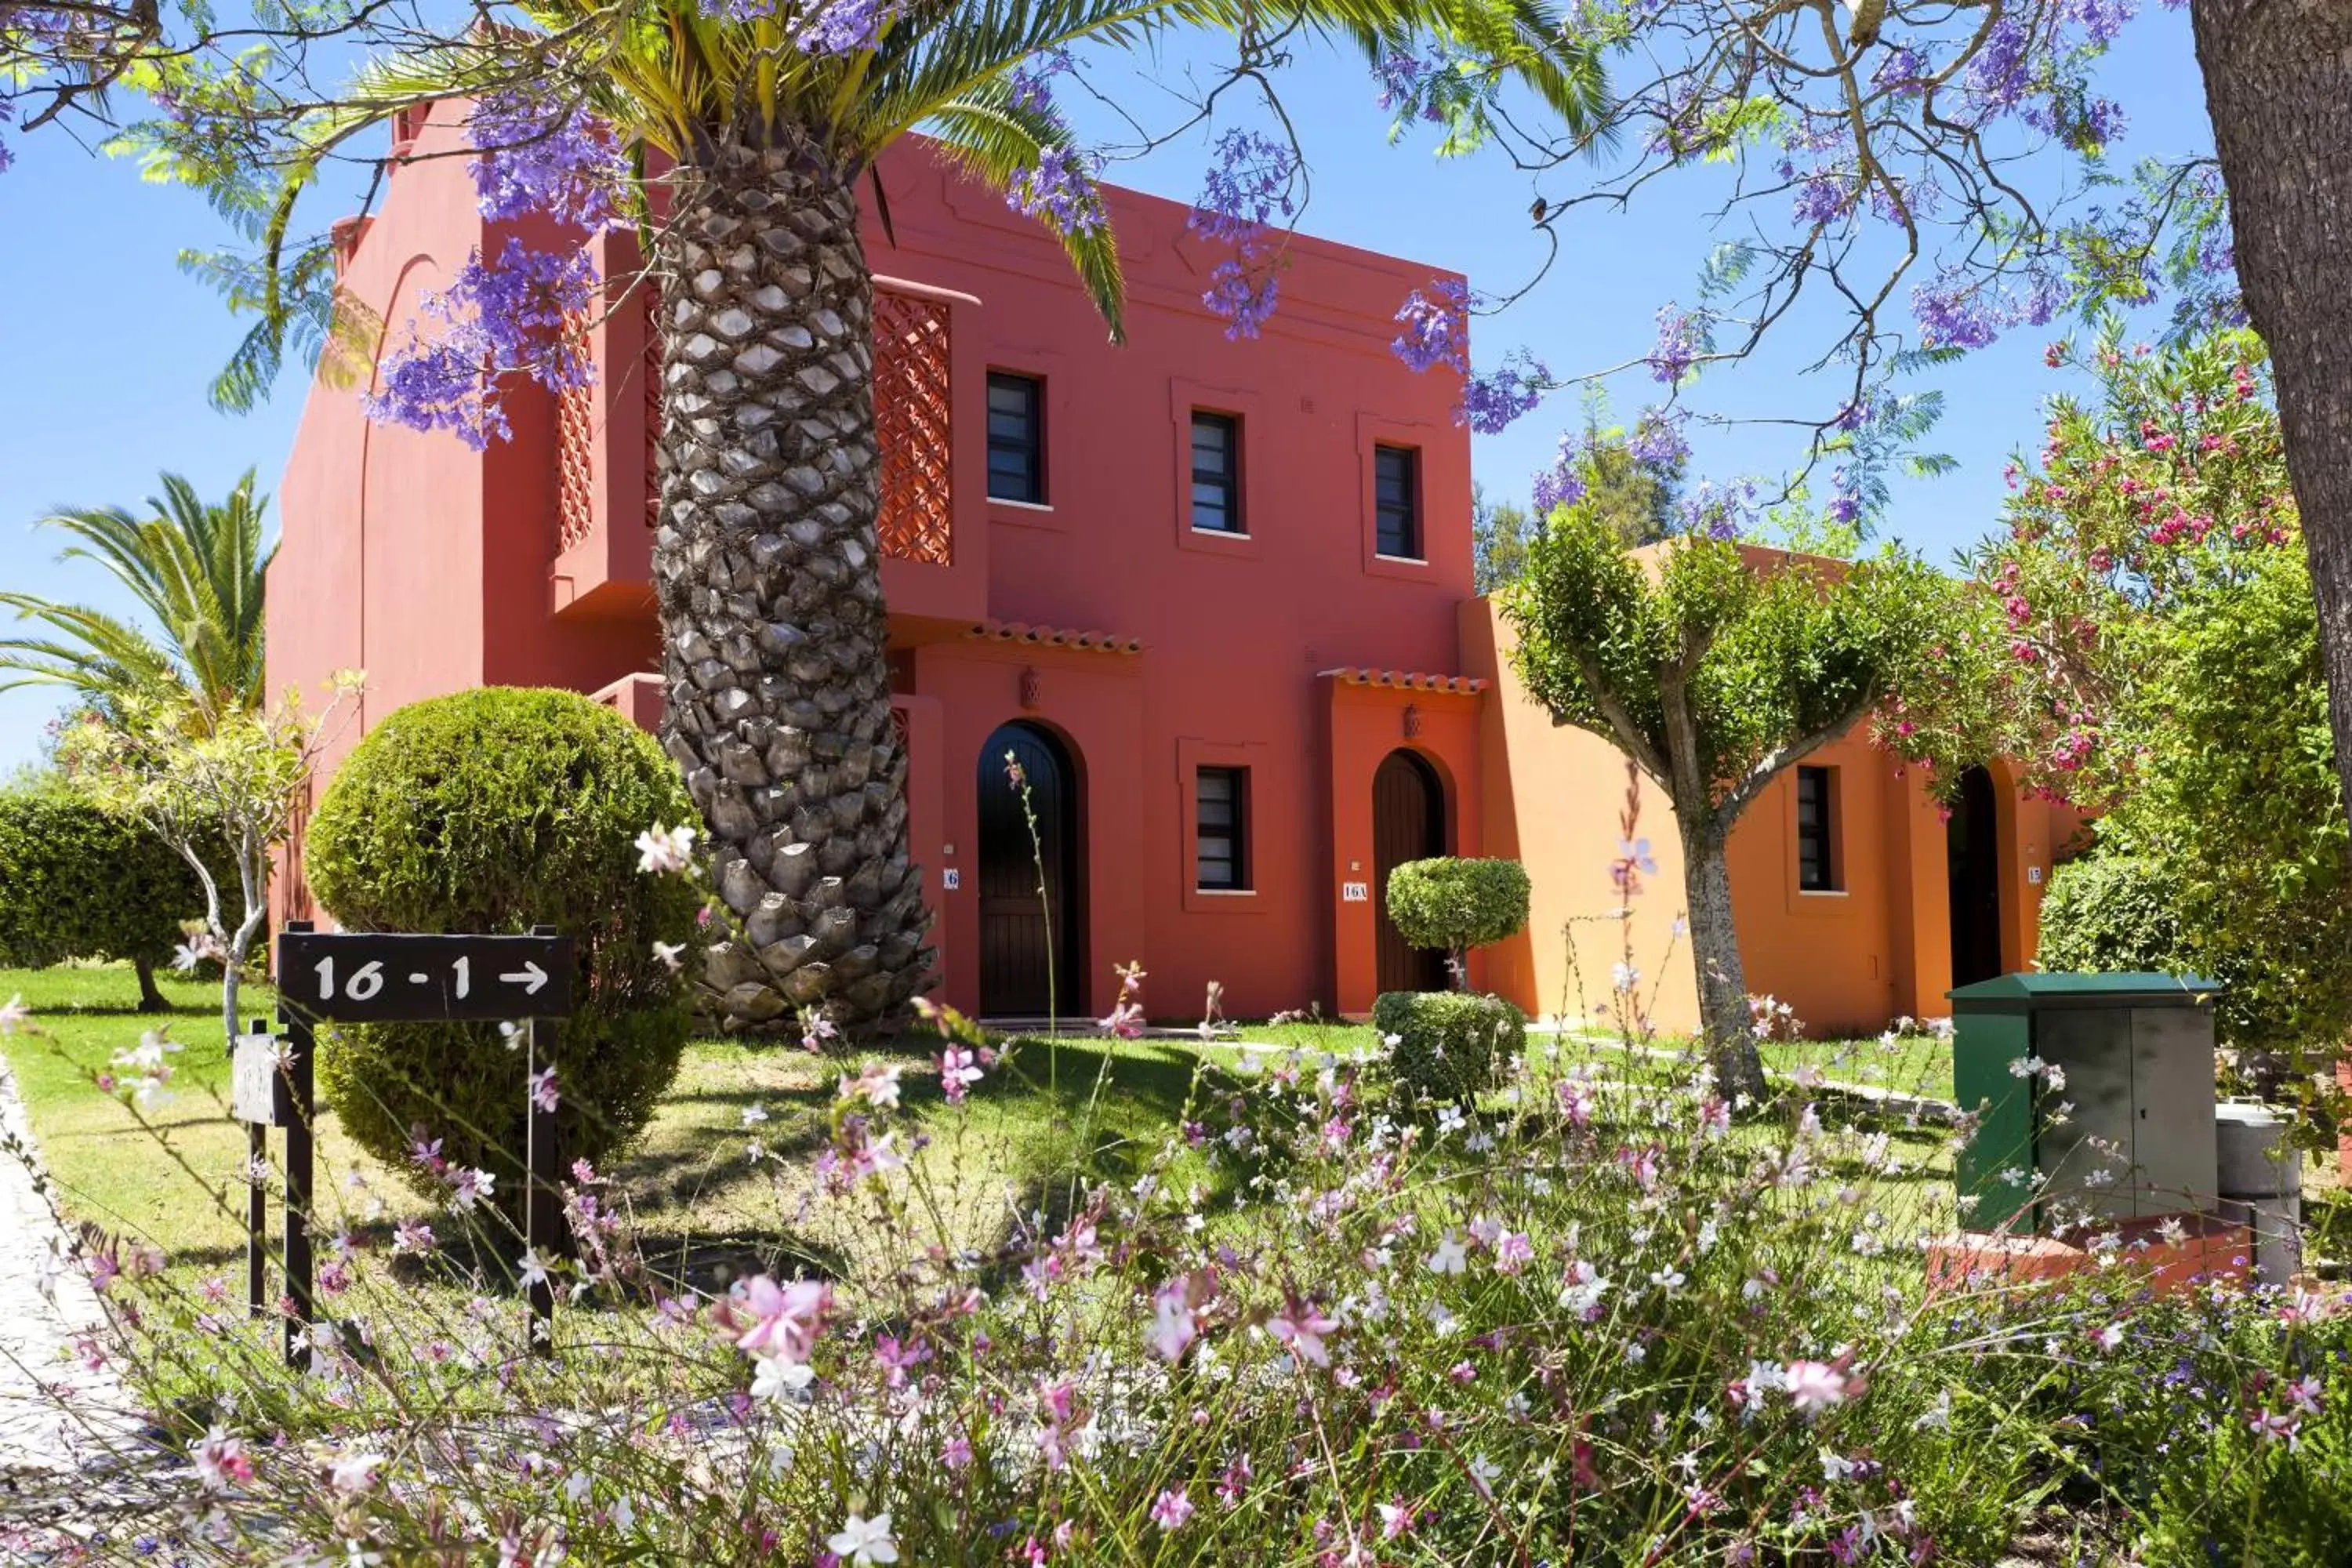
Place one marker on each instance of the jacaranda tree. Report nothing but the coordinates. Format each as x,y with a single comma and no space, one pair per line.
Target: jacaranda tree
735,135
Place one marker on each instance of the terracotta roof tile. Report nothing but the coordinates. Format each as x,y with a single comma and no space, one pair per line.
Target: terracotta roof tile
1054,636
1411,680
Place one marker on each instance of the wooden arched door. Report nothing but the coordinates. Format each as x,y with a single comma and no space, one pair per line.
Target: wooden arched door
1972,860
1027,946
1408,823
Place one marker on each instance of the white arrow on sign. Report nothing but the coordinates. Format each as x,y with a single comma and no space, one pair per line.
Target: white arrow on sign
532,977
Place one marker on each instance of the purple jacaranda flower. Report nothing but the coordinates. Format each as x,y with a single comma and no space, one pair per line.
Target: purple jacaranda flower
512,316
1031,83
534,156
1658,441
1247,187
1059,191
1436,327
1682,338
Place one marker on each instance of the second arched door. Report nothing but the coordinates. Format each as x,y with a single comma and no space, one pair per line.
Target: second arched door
1027,944
1408,823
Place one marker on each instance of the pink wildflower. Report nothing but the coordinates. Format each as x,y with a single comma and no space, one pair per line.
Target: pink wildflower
1301,1326
220,1461
785,1319
1815,1385
1171,1508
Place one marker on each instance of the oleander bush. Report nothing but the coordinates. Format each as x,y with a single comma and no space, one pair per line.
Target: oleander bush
1457,904
1451,1045
77,880
495,810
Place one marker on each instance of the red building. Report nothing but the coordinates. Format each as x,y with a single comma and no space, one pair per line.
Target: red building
1216,595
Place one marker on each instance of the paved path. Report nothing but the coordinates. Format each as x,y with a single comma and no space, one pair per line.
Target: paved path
45,1301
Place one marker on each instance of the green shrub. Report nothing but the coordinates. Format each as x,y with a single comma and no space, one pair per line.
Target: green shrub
1450,1044
1457,904
493,811
79,881
2109,914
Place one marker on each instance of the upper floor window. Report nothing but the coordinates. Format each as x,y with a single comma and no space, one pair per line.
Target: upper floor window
1217,473
1816,830
1220,804
1016,437
1396,501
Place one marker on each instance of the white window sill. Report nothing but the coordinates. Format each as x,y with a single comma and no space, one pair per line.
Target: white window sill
1220,532
1226,893
1021,505
1402,560
1821,892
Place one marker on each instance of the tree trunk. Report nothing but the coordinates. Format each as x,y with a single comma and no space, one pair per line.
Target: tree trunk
768,576
2278,84
151,999
1724,1023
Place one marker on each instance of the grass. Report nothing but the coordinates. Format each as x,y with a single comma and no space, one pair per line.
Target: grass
708,1207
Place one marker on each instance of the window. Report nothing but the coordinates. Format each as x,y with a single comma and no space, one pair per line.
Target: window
1016,438
1217,473
1816,859
1396,501
1220,801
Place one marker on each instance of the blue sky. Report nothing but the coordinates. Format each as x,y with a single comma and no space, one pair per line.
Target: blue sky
109,349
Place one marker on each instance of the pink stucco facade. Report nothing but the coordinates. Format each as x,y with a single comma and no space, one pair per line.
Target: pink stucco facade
1337,687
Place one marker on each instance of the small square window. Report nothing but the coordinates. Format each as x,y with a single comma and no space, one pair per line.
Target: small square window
1221,808
1396,501
1016,438
1217,473
1817,869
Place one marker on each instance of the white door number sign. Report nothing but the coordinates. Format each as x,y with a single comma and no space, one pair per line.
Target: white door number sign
1354,892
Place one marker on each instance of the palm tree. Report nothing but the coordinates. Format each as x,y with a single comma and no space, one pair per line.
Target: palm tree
766,564
196,568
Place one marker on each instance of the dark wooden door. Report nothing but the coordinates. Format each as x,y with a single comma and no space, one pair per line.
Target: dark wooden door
1972,856
1025,944
1408,823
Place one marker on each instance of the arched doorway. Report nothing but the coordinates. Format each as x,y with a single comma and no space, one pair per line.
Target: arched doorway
1027,949
1408,823
1972,861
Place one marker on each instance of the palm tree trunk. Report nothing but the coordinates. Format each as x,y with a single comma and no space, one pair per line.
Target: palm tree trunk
768,576
1725,1021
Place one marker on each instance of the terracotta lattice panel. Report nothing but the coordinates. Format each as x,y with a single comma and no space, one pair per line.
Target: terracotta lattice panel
911,421
575,466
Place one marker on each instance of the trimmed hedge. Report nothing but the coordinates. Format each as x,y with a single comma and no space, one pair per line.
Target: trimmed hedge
79,881
1458,904
1450,1044
495,810
2109,914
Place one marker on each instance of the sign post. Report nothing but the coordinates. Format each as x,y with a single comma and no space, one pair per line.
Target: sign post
363,977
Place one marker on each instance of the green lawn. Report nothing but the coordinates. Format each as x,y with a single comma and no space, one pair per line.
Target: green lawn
692,1179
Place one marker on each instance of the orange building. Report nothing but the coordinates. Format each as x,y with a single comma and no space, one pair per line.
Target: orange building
1216,595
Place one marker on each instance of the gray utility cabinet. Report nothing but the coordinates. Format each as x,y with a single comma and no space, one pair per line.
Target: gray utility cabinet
2137,1054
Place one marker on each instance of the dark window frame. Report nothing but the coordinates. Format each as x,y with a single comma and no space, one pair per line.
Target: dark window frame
1028,446
1396,518
1817,856
1229,484
1233,834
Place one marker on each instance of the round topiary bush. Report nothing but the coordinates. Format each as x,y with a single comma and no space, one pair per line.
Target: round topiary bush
77,880
493,811
1456,904
2108,914
1452,1045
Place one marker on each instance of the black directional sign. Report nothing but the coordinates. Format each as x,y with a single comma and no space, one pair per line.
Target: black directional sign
356,977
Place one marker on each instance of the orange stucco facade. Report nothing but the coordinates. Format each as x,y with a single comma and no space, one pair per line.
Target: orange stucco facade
1338,687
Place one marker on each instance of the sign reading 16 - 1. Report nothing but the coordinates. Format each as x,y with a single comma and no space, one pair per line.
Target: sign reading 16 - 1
356,978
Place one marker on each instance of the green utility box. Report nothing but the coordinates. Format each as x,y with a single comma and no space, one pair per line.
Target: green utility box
2136,1053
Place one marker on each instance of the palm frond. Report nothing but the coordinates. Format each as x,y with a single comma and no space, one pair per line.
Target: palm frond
993,140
